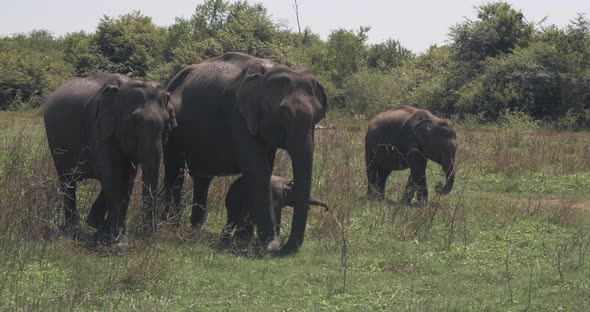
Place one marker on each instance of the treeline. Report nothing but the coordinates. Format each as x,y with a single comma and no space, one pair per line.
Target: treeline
498,62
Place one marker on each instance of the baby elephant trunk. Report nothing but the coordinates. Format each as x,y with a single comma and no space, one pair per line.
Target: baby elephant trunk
316,202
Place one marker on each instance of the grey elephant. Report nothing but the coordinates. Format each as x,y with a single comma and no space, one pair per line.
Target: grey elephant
103,127
239,208
234,111
407,137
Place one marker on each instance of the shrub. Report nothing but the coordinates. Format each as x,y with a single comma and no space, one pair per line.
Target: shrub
367,93
27,76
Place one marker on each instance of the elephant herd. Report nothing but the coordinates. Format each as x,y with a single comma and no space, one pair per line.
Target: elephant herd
225,116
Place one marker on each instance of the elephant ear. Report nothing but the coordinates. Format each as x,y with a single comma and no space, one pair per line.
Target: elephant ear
105,113
418,126
248,101
320,94
318,91
171,111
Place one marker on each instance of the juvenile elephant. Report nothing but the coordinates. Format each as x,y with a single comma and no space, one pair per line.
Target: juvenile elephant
103,127
234,111
239,208
406,137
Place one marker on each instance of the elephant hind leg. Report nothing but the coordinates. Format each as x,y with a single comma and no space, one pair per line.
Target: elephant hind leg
173,180
98,211
377,178
71,214
199,211
245,227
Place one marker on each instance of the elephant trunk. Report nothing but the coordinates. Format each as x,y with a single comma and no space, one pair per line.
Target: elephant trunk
316,202
449,168
302,161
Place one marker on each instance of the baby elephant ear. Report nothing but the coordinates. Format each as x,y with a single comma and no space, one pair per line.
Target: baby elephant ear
106,112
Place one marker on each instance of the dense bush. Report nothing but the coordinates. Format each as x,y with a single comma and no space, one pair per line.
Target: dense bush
30,66
367,93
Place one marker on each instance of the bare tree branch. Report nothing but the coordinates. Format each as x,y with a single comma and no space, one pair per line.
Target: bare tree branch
296,8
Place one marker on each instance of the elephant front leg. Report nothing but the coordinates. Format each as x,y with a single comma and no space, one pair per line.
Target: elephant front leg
245,223
126,199
71,214
199,210
116,186
417,180
98,211
409,191
254,164
173,181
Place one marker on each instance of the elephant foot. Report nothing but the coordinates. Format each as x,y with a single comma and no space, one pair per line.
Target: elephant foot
442,189
374,197
274,245
244,233
108,235
406,201
72,231
202,228
289,248
269,247
94,222
122,242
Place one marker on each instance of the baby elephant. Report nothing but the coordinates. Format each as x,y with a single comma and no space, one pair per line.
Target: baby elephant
239,209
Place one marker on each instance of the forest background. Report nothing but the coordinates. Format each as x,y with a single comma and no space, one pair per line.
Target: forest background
496,63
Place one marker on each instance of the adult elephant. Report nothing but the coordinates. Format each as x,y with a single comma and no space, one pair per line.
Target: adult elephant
406,137
234,111
103,127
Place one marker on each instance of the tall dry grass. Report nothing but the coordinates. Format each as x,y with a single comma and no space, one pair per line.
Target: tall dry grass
354,229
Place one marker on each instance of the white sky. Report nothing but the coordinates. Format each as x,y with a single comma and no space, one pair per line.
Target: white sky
416,23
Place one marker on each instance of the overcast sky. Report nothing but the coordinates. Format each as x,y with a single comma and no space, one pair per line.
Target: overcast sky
417,24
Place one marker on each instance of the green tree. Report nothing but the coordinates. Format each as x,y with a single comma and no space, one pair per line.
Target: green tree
248,29
498,29
131,43
345,53
81,52
387,55
210,16
31,65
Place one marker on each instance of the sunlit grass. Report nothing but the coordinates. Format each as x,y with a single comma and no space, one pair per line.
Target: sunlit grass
512,235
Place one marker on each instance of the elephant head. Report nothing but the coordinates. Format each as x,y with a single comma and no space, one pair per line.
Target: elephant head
437,140
136,116
281,106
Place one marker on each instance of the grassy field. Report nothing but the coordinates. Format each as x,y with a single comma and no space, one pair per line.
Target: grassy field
513,235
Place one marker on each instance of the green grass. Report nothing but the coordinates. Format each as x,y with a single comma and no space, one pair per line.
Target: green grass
512,235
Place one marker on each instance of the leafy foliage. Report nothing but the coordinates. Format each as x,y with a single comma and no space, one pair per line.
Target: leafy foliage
30,65
132,43
499,29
